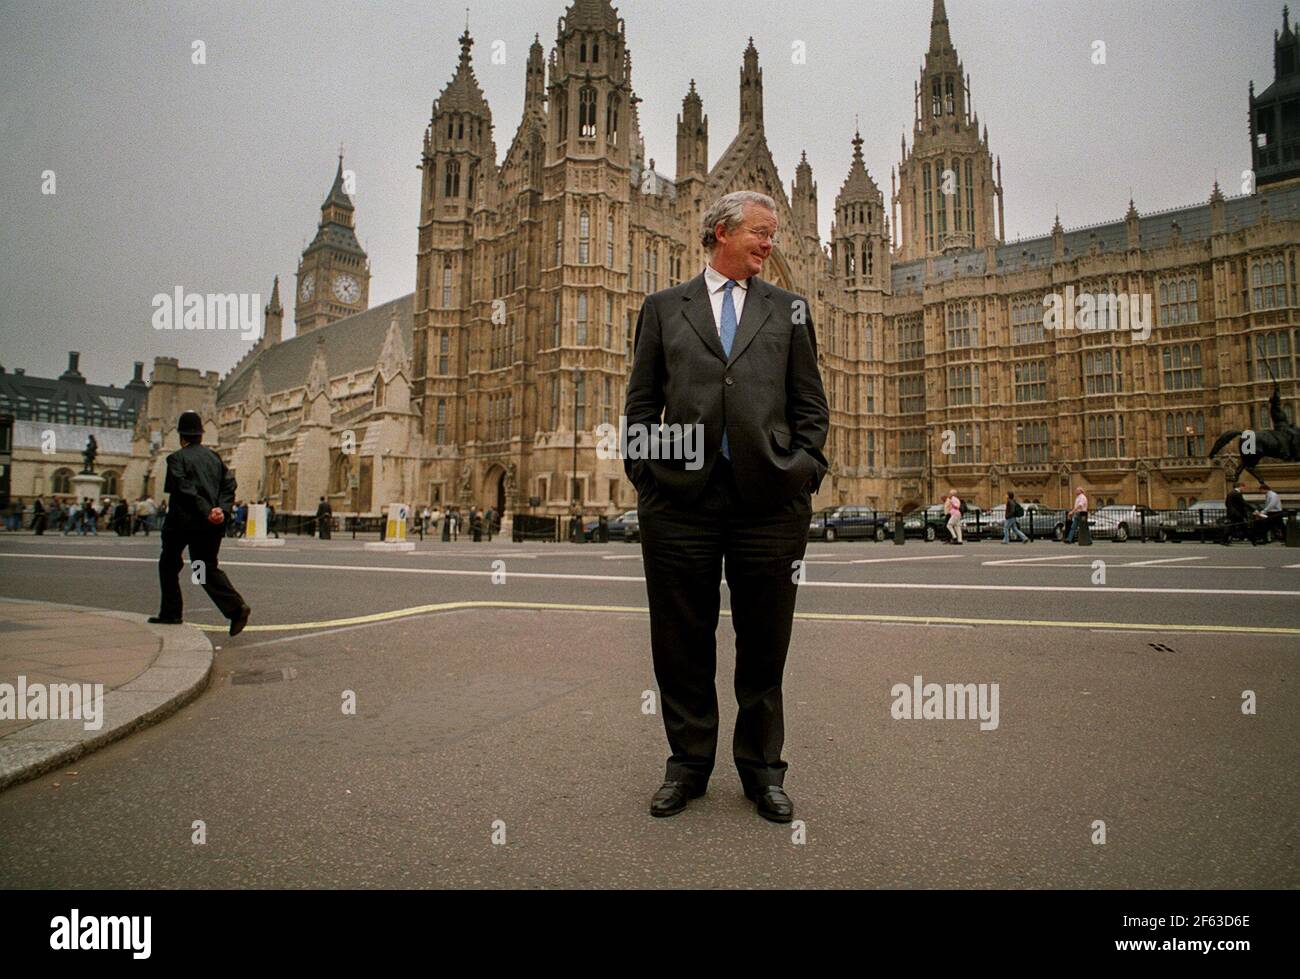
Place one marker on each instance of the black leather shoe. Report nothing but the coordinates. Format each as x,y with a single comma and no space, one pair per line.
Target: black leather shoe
772,803
237,624
159,620
673,797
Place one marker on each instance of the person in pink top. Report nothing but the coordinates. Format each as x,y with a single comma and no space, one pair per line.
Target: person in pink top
952,507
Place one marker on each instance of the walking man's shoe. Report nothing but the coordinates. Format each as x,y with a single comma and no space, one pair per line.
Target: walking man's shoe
673,797
159,620
237,624
772,802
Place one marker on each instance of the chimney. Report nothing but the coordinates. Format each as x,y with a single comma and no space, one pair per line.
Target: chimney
72,373
137,378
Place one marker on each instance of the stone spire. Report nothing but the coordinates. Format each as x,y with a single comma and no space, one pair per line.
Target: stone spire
751,89
939,36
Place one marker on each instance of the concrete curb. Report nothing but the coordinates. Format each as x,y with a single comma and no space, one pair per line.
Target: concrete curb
179,674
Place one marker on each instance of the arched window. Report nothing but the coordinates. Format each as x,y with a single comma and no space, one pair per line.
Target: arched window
611,117
940,201
559,240
609,240
587,112
110,477
341,475
451,179
61,481
274,480
956,200
970,197
584,237
582,319
446,283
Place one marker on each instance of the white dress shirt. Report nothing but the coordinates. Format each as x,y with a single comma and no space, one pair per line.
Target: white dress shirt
715,281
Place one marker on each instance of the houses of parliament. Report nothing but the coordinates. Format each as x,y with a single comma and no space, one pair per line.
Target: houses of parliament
529,275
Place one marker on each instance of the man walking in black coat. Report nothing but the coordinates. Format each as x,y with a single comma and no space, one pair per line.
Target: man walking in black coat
202,492
325,518
731,363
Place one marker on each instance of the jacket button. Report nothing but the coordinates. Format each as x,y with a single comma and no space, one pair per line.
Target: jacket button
730,379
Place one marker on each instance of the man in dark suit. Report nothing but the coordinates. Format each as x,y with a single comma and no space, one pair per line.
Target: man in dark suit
1238,516
202,492
732,358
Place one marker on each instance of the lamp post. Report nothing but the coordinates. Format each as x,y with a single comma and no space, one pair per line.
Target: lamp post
576,530
1189,432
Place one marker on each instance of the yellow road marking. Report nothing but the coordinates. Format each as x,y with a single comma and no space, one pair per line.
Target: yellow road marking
403,613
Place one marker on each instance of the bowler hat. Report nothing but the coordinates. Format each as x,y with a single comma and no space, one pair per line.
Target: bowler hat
190,424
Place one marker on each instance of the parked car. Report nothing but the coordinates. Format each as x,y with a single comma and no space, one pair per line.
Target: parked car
848,523
927,524
1117,523
624,527
975,523
1203,518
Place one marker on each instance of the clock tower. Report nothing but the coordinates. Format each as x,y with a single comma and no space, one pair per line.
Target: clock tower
333,272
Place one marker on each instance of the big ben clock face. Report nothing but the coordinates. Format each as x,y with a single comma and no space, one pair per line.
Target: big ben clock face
308,287
346,288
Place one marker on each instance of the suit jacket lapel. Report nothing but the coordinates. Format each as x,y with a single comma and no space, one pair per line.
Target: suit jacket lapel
698,311
758,307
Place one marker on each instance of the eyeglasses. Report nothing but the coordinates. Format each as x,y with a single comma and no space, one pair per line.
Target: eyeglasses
763,235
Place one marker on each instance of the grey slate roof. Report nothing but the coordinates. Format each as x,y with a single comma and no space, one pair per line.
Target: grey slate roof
351,344
1156,230
20,394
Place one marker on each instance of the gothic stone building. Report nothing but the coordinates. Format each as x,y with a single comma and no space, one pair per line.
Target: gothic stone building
939,363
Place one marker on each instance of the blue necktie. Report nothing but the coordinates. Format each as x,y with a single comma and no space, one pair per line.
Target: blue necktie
728,338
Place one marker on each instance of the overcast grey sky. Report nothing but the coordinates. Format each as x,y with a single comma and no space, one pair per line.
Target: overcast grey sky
211,176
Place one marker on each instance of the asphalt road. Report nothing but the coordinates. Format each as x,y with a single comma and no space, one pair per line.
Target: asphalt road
516,706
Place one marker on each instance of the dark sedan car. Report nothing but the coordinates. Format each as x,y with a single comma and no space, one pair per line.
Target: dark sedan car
624,527
848,523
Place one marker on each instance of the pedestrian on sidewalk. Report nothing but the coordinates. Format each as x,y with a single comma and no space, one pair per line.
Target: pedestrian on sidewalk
1238,516
952,507
202,493
1010,522
89,518
1271,515
325,519
38,517
1078,513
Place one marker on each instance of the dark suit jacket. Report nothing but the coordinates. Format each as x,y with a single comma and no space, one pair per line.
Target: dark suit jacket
197,481
1236,505
768,393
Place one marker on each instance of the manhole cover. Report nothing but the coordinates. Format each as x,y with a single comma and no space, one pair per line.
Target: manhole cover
263,676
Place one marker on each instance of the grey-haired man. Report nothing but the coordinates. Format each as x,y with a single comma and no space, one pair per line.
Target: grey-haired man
736,355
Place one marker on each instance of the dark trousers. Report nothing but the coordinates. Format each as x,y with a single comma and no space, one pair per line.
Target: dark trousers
685,551
203,546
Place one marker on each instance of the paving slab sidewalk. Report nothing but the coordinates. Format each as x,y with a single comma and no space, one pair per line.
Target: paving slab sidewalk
147,672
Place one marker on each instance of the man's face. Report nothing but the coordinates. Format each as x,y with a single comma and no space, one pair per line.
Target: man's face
742,251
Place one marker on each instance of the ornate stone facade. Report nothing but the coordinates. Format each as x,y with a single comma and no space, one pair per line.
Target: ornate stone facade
931,329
